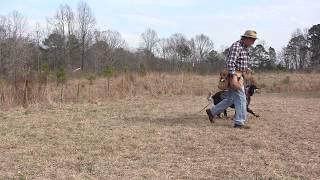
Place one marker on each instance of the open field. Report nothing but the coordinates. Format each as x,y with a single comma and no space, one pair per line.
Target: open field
163,137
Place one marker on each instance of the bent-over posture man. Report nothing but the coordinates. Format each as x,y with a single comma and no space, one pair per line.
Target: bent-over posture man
237,66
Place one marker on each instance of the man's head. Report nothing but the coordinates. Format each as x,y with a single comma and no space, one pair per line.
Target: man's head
249,37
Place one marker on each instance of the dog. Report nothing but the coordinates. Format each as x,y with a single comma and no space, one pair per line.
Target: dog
219,96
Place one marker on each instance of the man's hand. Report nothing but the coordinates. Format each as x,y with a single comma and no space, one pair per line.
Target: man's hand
235,83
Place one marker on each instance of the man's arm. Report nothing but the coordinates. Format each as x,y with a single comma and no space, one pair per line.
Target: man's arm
231,66
232,57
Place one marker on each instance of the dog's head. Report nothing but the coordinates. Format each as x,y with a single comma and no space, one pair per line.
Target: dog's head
223,74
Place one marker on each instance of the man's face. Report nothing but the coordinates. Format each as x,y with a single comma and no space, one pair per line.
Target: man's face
249,42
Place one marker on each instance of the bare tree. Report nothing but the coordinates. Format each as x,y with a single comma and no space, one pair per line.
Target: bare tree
16,42
179,47
18,25
17,55
57,36
112,38
180,50
106,43
70,23
193,50
298,51
203,45
63,24
60,21
69,19
86,22
149,40
163,48
4,49
63,21
37,36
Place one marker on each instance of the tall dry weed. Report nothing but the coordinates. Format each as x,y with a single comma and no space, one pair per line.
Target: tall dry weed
150,84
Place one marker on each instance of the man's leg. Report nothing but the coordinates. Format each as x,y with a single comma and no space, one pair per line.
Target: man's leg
224,104
240,103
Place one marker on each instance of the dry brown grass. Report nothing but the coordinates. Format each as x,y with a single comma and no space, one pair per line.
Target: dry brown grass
145,137
152,85
148,128
289,82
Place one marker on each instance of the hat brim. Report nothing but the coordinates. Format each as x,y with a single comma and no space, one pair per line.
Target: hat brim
253,37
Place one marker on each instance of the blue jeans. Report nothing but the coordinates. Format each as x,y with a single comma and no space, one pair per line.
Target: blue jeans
238,98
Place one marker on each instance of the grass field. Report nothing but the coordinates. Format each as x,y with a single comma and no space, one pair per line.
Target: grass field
161,137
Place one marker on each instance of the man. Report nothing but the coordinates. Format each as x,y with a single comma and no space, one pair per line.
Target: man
237,66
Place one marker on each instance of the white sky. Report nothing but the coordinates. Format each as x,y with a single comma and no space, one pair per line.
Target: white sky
222,21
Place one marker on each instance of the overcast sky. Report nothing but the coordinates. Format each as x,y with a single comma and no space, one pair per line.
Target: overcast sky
222,21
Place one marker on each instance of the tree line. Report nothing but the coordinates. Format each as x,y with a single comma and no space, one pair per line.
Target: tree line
71,40
303,50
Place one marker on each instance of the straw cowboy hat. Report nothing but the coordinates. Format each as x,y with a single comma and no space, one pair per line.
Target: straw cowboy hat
250,34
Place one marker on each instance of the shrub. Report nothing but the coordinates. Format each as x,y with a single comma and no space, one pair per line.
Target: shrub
61,76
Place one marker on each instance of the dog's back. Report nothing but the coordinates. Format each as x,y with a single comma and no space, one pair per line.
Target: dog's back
218,97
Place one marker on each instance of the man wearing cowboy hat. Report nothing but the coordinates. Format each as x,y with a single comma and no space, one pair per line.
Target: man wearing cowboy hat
236,65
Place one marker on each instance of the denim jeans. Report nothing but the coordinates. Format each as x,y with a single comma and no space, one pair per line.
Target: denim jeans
236,97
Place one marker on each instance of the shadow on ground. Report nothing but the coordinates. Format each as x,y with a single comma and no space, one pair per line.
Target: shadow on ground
186,120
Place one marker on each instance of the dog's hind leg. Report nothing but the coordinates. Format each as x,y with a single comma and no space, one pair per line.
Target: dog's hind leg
251,112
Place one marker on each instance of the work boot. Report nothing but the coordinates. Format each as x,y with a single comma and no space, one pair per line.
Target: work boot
210,115
238,126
